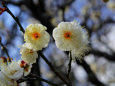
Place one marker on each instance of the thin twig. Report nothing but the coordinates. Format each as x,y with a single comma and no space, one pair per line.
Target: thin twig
35,77
53,84
69,65
63,14
15,18
4,49
52,68
69,68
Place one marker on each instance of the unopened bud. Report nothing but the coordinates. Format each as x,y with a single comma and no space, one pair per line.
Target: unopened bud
23,64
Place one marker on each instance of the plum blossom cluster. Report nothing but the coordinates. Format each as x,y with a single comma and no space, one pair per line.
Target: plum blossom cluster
36,38
11,71
69,36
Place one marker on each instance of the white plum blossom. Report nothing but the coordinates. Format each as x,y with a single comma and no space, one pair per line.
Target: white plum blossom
28,55
12,70
69,36
36,37
5,81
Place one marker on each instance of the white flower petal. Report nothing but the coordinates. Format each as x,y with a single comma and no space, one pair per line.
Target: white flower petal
36,37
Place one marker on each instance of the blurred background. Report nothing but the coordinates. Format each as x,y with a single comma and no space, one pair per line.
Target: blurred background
97,16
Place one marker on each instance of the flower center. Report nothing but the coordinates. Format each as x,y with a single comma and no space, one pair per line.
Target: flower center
30,51
36,35
67,35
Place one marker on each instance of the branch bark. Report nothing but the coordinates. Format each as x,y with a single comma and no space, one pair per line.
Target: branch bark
53,69
104,55
15,18
35,77
91,76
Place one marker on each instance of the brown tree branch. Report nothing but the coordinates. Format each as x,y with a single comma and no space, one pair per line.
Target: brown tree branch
4,49
42,5
103,54
36,70
69,69
15,18
35,77
68,3
53,69
91,76
19,3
